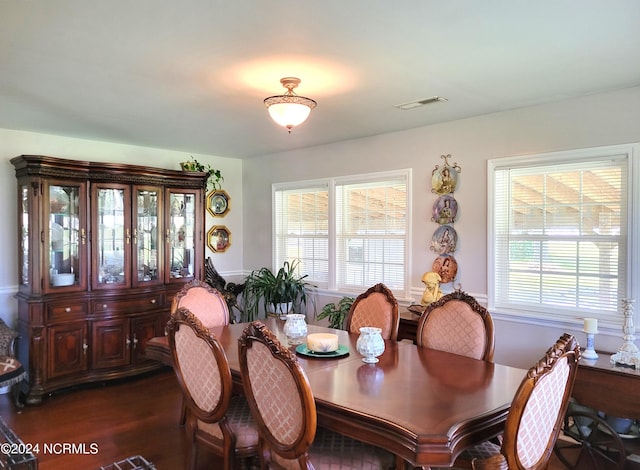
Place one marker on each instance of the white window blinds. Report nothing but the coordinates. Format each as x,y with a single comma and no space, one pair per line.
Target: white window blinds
560,229
349,233
302,230
371,234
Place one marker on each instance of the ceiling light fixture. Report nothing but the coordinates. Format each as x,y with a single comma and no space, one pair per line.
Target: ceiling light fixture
415,104
289,110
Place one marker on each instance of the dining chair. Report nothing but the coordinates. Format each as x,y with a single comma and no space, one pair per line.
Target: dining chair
376,307
536,414
218,419
283,406
12,372
204,301
458,324
207,304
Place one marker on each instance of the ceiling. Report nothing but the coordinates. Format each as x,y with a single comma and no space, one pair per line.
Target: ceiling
191,75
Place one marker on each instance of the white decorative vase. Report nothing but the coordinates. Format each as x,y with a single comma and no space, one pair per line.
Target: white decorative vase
295,328
370,344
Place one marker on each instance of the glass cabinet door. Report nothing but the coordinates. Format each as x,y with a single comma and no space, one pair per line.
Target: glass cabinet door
181,230
146,233
67,238
23,262
111,236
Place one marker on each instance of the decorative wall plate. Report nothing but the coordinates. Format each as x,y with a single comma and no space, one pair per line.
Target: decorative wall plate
446,266
444,240
218,203
445,210
218,238
444,181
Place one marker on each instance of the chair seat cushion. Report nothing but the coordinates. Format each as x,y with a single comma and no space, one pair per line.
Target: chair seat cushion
11,371
334,451
241,422
480,451
158,348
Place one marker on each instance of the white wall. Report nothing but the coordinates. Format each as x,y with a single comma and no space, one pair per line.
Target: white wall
597,120
14,143
604,119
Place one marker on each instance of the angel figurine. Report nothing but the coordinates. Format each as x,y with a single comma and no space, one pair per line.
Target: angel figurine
432,291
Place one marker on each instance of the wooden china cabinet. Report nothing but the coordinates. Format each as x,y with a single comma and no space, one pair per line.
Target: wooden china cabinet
102,250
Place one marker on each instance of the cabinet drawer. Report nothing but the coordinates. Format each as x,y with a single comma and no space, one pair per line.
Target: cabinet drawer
132,305
62,311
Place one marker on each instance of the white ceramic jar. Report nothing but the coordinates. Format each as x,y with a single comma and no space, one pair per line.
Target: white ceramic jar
370,344
295,328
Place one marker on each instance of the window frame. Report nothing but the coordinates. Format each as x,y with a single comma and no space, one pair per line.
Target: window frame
331,183
630,290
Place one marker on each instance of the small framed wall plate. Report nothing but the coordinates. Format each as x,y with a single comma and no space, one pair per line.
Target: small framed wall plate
445,179
445,210
218,203
218,238
444,240
446,266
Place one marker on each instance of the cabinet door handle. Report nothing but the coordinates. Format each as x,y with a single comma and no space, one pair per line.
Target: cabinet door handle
135,236
85,346
68,309
104,306
135,341
128,341
153,301
83,236
168,237
128,236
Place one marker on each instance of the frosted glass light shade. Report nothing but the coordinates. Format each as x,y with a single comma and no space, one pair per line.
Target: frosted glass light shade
289,114
289,110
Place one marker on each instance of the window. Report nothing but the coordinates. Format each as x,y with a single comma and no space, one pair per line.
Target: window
302,229
560,237
349,233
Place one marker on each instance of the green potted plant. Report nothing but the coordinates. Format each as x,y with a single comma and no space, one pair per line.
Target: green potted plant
214,177
277,293
336,313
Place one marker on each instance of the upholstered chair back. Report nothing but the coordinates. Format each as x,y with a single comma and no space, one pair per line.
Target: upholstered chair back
283,406
536,414
376,307
456,323
218,418
200,363
539,407
203,301
279,393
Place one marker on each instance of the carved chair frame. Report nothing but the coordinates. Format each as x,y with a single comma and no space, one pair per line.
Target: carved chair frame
257,332
390,298
484,314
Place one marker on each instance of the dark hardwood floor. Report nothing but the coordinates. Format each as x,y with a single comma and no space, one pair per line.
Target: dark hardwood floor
122,418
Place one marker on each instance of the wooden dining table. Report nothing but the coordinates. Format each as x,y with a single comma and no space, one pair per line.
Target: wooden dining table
423,405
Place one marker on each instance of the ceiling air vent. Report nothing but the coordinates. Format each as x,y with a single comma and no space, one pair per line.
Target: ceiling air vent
415,104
